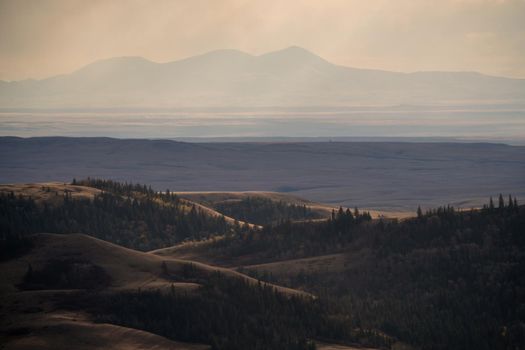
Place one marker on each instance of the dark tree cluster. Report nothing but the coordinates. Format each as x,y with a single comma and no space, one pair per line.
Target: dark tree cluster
227,313
66,274
289,239
264,211
447,279
115,187
142,223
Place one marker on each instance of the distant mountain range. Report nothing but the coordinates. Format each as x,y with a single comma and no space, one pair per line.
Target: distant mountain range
293,77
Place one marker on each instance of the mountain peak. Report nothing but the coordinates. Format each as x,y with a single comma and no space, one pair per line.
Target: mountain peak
297,49
220,54
295,53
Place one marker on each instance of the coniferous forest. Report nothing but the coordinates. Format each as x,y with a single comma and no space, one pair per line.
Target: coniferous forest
130,215
445,279
264,211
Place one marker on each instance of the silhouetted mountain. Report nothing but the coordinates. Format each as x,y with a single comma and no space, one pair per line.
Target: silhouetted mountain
230,78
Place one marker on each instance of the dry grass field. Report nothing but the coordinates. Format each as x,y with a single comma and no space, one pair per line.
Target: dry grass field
128,269
49,191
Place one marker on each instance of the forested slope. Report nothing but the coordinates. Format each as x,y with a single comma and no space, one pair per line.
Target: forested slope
130,215
446,279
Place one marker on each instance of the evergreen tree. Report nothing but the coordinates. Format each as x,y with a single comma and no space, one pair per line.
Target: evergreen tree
501,202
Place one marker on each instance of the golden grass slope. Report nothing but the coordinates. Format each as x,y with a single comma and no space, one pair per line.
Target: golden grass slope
29,319
128,269
192,250
213,213
49,191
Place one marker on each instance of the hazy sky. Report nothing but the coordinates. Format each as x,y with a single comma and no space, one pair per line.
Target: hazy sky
42,37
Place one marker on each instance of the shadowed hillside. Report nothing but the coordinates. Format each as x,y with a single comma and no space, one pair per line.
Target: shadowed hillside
131,215
446,279
64,283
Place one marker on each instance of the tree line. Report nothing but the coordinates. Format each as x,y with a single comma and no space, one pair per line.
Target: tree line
265,211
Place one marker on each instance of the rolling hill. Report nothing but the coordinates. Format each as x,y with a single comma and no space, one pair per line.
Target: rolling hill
64,266
53,192
131,215
230,78
398,284
127,269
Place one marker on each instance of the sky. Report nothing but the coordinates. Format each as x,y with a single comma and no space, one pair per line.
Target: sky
41,38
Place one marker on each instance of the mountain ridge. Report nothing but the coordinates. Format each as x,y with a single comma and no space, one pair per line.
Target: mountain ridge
231,78
267,54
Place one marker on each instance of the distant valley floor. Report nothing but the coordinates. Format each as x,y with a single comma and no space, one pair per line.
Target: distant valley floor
390,176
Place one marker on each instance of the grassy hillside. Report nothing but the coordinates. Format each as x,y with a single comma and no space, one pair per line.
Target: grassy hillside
57,256
85,286
50,192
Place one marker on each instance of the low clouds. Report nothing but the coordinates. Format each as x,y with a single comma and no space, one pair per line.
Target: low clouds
42,38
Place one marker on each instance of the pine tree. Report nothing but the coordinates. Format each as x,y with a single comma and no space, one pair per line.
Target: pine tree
501,202
419,212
